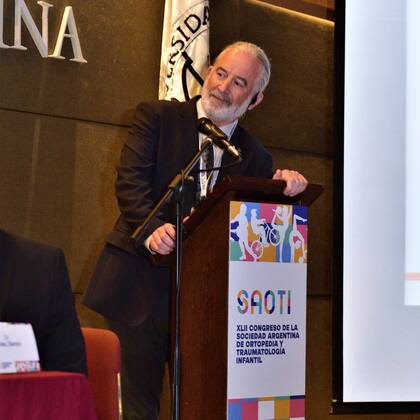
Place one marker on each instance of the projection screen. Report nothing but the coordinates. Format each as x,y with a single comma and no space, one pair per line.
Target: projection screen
377,300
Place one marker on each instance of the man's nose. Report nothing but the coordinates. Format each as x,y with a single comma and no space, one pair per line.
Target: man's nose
224,85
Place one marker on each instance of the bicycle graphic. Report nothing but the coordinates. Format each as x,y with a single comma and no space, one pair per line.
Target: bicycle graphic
273,238
275,235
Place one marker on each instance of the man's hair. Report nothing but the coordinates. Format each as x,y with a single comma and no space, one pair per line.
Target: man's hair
260,55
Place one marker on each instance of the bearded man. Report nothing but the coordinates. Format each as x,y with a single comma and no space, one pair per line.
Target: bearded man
126,288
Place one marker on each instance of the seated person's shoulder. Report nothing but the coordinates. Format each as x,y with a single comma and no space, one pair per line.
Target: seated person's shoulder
37,291
26,247
27,250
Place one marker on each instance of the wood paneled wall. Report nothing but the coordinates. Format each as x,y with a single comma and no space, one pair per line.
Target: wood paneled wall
62,125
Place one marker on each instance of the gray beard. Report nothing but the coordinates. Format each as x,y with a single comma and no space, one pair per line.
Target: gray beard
224,113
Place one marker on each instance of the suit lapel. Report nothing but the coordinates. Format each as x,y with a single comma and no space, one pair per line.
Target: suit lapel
188,140
188,131
227,159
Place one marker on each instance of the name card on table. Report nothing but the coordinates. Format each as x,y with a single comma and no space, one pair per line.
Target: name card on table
18,350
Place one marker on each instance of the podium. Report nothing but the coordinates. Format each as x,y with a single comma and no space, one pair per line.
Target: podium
233,347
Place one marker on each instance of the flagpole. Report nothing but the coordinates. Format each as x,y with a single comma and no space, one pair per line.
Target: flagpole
184,61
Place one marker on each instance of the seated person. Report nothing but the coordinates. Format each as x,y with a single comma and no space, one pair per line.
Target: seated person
35,289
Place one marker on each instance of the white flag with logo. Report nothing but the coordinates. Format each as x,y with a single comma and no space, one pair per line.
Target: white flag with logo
185,49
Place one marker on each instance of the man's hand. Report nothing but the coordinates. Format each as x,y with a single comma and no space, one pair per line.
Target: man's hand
295,182
162,240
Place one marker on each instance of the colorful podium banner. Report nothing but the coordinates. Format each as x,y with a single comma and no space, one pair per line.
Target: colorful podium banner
267,311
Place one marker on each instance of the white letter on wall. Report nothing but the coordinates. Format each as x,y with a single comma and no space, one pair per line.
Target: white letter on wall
68,21
2,44
22,12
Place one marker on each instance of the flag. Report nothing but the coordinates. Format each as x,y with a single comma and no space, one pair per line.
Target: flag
185,48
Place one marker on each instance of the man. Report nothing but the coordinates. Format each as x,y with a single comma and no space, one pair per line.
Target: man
35,289
130,292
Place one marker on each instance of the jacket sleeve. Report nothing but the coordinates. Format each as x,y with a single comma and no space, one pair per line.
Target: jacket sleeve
264,165
135,188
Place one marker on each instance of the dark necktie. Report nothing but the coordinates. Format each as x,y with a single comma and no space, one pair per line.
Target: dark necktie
208,164
208,159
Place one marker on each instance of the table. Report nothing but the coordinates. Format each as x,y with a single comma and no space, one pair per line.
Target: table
46,396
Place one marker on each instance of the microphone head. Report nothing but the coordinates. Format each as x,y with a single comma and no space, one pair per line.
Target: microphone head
220,139
209,128
204,125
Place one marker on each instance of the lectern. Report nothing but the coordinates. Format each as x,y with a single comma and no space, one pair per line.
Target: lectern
243,303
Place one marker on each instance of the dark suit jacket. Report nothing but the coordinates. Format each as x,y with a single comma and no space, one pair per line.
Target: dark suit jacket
163,139
35,289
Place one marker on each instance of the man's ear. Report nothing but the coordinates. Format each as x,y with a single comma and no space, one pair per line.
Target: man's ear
256,99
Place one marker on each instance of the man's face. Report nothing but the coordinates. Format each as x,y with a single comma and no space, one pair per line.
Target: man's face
230,86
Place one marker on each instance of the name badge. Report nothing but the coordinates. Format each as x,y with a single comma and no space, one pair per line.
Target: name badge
18,350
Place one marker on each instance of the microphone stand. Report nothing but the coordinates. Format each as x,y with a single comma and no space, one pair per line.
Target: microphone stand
174,187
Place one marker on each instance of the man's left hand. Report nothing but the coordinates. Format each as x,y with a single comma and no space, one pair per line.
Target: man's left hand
295,182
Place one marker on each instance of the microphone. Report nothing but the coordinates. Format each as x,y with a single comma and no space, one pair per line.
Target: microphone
220,139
